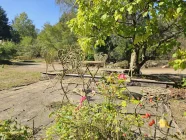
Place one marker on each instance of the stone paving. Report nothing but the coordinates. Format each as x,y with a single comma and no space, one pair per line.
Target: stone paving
31,103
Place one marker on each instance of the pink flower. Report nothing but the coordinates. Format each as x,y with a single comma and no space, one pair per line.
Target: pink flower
93,92
82,99
124,135
122,76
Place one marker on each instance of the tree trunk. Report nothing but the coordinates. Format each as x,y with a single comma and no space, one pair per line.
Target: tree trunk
144,58
137,69
139,65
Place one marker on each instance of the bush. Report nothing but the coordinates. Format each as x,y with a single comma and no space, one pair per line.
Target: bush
29,48
90,57
10,130
110,119
98,121
7,50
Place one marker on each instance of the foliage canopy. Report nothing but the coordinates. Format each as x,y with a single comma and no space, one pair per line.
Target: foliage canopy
59,35
151,26
24,26
4,26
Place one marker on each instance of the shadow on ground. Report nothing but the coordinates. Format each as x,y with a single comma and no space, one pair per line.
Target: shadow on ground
163,77
5,62
24,63
20,63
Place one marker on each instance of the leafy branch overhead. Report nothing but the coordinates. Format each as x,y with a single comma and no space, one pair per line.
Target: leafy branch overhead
151,26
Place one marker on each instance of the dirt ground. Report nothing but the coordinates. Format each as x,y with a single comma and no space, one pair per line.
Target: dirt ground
41,67
33,103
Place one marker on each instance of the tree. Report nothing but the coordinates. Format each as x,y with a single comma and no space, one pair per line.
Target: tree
25,33
15,36
24,26
151,27
56,37
59,35
4,26
70,3
122,51
67,16
29,48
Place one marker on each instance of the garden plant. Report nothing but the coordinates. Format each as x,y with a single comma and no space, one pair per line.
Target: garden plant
120,115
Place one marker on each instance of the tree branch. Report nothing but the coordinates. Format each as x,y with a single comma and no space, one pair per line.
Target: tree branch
126,37
170,37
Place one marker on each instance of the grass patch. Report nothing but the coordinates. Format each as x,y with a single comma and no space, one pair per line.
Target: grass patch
10,77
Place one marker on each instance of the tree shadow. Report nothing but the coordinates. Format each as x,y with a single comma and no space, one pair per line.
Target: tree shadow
166,77
5,62
135,95
28,61
24,63
20,63
90,98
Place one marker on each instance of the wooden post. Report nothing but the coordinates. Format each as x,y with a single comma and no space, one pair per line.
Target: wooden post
132,59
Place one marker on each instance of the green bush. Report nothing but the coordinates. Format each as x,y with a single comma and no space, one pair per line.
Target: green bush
99,121
7,50
179,62
103,121
110,120
10,130
29,48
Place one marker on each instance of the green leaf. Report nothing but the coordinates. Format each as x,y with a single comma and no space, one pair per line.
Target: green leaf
104,16
130,9
122,89
184,114
161,3
123,103
118,16
178,10
135,101
145,14
176,66
174,55
184,84
122,9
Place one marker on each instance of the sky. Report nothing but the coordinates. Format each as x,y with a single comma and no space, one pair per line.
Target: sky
39,11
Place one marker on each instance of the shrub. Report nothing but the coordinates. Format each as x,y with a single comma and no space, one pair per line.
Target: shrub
11,130
106,120
99,121
7,50
111,119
